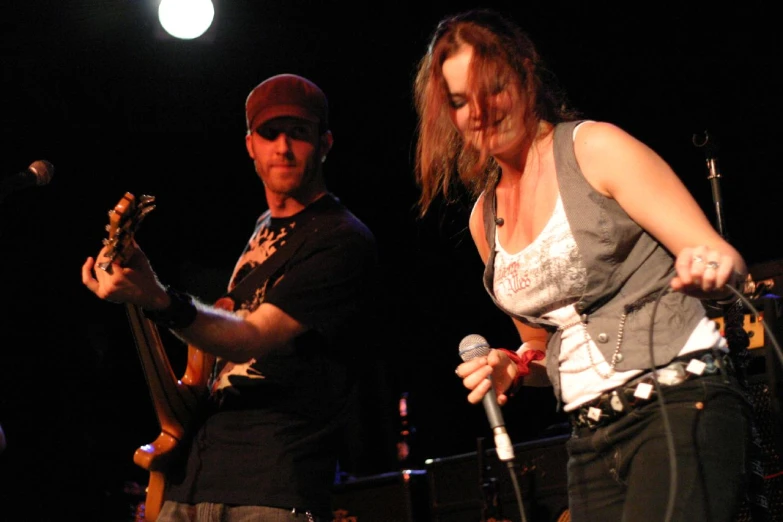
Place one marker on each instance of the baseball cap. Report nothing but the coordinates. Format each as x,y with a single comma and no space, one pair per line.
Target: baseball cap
286,95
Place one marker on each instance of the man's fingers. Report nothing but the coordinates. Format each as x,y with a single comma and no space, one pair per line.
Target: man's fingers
87,277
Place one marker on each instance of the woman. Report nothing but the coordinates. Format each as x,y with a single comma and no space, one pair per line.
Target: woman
593,247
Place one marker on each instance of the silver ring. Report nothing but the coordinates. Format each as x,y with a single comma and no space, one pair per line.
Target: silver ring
712,264
698,259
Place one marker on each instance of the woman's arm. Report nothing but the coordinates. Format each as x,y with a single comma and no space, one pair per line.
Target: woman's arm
623,168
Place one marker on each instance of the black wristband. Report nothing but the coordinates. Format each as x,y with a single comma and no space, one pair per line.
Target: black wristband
179,314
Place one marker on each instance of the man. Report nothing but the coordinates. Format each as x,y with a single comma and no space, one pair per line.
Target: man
284,380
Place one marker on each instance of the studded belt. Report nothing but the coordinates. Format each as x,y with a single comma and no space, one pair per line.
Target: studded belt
639,391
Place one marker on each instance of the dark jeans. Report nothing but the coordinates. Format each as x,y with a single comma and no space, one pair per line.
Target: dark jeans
209,512
621,472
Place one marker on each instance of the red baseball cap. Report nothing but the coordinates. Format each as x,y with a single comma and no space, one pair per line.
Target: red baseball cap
286,95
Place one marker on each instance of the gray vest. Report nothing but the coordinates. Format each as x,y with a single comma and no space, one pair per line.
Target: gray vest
626,271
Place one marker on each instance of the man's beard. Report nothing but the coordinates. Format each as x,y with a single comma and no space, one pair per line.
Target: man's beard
306,182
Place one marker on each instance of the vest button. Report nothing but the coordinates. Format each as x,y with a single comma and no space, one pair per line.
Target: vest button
603,338
583,318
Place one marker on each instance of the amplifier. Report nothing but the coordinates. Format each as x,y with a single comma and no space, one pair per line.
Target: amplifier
752,326
464,488
398,496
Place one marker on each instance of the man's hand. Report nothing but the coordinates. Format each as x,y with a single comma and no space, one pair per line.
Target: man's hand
132,282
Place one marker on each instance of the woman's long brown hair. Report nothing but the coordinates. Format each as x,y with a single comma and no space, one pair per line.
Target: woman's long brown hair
503,57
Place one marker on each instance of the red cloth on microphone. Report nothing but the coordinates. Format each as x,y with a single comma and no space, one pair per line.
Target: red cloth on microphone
523,365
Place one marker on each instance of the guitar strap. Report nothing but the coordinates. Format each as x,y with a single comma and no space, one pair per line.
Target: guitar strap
243,290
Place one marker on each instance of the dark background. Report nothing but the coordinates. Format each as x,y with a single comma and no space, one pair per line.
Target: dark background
95,88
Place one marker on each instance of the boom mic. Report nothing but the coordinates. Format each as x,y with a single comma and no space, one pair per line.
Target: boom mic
38,173
473,346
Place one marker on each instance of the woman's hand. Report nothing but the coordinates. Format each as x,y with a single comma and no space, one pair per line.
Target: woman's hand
475,373
704,272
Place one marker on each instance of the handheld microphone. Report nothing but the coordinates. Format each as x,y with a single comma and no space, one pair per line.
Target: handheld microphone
473,346
38,173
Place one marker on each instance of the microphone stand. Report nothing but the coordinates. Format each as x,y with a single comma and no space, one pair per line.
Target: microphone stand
734,317
487,487
713,175
734,331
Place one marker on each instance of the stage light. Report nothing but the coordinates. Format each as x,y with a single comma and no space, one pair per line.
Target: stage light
186,19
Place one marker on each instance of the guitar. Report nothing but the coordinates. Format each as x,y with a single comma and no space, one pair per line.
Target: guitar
176,401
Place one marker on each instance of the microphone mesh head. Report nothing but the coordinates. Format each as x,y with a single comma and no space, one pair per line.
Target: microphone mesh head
472,346
43,171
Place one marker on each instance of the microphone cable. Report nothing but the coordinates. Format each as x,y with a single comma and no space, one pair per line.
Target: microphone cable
667,430
664,414
517,489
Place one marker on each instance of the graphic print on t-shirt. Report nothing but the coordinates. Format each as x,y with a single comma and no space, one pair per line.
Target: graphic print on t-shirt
265,241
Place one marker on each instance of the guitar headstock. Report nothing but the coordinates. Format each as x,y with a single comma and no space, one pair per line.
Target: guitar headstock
124,220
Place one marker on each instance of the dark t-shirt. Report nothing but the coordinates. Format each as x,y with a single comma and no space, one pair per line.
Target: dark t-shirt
275,428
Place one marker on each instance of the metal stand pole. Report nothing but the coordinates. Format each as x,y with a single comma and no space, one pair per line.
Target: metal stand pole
713,174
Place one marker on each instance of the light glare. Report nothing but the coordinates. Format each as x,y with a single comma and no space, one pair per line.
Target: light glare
186,19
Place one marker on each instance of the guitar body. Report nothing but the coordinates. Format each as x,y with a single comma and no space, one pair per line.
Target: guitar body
176,401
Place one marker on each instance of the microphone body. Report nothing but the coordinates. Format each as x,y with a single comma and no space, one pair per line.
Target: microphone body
38,173
473,346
